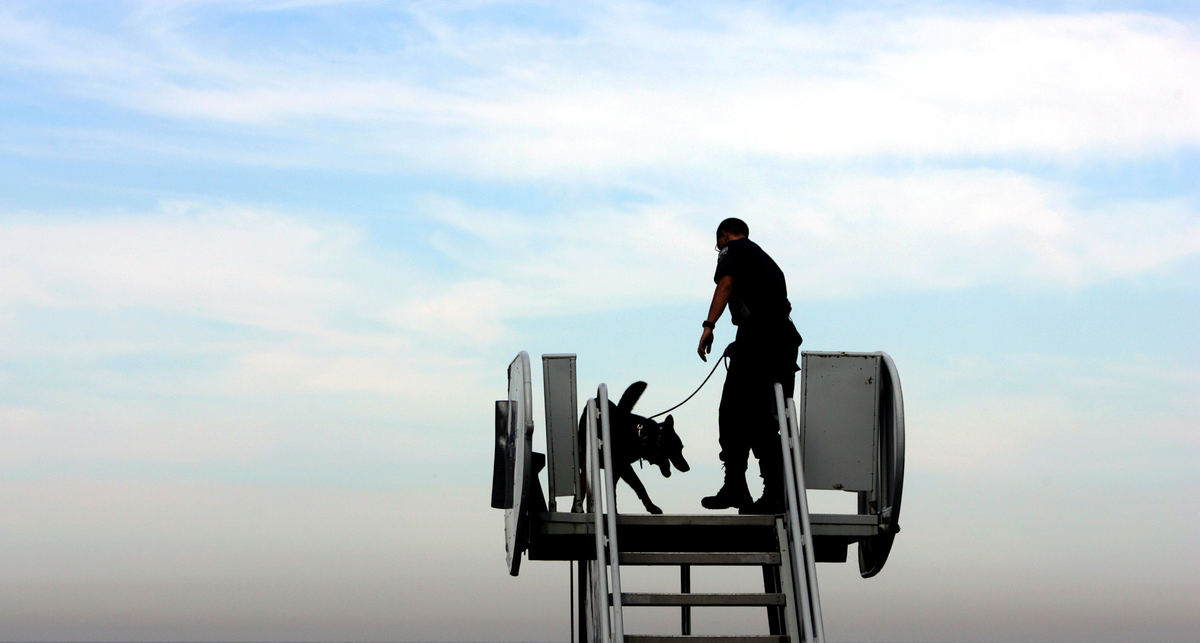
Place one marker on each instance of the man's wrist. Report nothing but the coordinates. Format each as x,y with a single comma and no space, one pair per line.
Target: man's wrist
708,324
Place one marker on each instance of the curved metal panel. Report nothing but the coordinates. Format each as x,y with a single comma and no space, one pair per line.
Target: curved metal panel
873,552
516,518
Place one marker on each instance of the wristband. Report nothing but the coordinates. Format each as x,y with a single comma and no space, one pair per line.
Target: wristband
708,324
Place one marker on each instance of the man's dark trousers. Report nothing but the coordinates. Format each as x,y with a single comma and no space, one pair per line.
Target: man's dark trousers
762,355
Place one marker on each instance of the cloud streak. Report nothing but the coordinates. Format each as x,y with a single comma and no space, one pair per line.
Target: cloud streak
856,236
624,89
229,264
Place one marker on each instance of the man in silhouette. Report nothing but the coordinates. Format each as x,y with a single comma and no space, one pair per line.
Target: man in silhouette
763,353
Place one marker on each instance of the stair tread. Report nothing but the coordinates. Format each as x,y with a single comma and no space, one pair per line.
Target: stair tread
698,520
705,638
700,558
722,599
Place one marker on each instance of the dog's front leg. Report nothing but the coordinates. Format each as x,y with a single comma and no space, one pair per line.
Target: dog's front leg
624,470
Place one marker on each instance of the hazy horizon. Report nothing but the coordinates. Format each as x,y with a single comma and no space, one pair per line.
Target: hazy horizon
263,265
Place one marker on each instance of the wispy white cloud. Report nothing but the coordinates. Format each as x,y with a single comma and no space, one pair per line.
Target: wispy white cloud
344,316
850,235
956,229
634,87
230,264
303,311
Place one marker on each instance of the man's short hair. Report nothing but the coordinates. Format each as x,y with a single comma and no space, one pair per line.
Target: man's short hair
734,226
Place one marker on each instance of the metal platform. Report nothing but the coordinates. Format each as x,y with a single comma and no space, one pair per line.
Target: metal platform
571,536
854,442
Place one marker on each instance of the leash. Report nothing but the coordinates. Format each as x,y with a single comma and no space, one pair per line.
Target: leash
723,359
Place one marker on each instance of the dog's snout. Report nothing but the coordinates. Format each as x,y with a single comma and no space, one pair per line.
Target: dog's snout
679,462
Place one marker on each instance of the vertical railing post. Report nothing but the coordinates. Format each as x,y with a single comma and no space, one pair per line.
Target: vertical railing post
595,505
685,587
618,629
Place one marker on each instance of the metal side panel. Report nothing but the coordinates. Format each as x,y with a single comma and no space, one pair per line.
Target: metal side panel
562,416
840,405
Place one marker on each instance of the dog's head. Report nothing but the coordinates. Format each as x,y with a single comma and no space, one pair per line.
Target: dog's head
659,444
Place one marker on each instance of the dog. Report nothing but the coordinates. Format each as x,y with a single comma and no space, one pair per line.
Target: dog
634,438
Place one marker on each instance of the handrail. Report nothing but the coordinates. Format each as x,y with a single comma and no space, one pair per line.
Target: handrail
618,630
599,577
799,551
602,502
799,525
805,522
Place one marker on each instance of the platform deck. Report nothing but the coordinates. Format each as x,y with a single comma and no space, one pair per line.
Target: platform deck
569,536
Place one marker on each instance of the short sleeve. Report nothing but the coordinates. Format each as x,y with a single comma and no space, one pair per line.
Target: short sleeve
729,262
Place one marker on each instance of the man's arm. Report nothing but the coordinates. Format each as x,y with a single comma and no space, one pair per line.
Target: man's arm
719,300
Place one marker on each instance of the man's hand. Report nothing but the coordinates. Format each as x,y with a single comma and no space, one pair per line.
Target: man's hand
706,340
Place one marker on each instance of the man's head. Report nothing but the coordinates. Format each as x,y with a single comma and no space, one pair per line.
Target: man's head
731,229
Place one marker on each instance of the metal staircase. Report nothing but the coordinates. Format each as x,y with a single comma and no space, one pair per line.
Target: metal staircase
781,545
848,435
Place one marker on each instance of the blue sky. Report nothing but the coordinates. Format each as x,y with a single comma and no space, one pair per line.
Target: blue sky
263,265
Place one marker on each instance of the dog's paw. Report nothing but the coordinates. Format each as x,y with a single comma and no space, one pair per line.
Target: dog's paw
653,508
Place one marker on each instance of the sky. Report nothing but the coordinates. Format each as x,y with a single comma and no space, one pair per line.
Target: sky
263,266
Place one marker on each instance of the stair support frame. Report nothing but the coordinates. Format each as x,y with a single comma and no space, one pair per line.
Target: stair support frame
799,528
799,599
791,619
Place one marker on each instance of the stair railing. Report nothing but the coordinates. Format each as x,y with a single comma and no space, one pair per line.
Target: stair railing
804,572
599,578
602,501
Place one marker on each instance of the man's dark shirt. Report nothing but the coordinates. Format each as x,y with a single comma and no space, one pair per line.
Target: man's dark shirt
759,294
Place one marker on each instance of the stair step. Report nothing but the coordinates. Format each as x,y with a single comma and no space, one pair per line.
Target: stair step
705,638
697,520
730,600
700,558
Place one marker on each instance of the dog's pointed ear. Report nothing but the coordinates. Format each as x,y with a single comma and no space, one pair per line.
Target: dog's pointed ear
631,396
669,422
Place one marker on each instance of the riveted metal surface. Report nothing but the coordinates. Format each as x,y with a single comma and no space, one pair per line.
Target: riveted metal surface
841,399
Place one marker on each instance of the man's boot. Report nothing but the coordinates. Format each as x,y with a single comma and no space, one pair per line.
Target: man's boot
732,494
772,501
